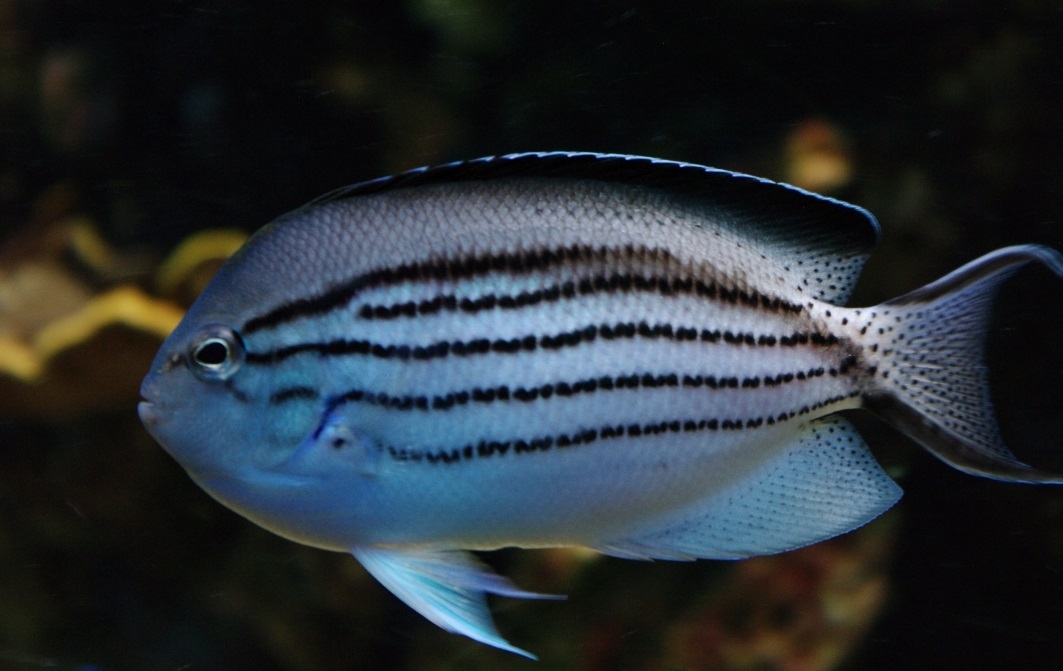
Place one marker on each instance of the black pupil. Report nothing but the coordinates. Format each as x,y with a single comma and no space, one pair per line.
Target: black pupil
212,353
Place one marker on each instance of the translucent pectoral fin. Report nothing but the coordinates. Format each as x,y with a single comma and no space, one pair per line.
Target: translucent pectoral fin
824,483
446,586
336,446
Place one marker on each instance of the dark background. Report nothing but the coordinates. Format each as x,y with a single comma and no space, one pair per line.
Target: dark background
162,118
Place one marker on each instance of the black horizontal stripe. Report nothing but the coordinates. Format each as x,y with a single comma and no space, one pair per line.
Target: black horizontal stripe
614,283
537,444
529,343
516,263
293,393
448,269
560,389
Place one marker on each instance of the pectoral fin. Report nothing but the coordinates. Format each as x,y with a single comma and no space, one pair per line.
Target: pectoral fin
447,587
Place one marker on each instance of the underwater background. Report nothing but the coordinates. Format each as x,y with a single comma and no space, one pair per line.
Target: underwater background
140,141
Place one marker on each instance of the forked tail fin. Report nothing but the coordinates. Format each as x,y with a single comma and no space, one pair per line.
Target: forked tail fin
930,378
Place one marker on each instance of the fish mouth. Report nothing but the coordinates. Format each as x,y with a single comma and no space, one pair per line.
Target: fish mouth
149,412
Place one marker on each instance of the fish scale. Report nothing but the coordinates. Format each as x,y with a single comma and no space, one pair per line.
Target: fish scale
632,355
421,430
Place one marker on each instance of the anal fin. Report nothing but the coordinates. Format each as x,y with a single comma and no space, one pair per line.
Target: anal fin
446,586
824,483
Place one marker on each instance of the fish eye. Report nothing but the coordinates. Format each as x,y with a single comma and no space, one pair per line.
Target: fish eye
215,353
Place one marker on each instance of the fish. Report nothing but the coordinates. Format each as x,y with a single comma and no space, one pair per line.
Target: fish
642,357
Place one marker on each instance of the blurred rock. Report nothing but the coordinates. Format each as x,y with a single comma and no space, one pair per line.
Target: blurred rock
465,26
798,611
78,103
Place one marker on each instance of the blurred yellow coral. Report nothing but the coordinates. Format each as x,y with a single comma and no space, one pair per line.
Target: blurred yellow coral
190,267
92,358
68,346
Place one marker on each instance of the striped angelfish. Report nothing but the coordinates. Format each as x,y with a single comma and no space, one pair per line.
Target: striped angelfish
637,356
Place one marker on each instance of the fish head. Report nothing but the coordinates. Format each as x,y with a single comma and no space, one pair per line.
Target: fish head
192,404
203,401
212,411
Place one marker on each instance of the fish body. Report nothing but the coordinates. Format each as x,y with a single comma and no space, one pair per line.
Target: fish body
632,355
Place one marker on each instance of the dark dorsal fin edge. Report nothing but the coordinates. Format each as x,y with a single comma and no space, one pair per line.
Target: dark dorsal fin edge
808,223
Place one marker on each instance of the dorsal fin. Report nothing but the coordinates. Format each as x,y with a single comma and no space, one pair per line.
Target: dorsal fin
822,240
